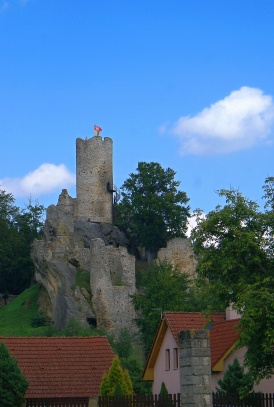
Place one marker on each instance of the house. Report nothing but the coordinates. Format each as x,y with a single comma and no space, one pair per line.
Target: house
162,364
163,360
223,337
61,367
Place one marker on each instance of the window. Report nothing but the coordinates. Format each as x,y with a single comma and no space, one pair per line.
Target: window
175,358
167,359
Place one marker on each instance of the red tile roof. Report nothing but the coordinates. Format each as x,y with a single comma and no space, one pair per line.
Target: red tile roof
222,337
181,321
223,333
62,367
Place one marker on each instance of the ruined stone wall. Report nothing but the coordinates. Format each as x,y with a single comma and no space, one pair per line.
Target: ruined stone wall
180,254
79,237
60,217
93,173
195,368
112,280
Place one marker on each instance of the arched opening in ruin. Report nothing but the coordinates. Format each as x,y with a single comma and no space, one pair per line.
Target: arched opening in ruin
92,321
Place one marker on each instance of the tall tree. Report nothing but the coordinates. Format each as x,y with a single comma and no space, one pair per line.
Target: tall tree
18,230
234,248
132,359
152,209
13,384
8,237
165,288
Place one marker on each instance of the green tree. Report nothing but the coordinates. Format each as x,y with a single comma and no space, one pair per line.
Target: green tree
18,230
132,360
152,210
105,388
165,288
128,382
234,248
13,384
123,345
135,366
163,390
117,381
75,328
235,380
7,237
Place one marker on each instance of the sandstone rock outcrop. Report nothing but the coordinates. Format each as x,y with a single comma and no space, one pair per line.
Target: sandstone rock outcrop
70,246
83,261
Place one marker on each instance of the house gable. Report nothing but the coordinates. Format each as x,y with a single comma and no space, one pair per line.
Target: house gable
223,337
155,349
166,368
176,322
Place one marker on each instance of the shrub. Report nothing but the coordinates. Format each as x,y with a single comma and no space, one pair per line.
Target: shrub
13,384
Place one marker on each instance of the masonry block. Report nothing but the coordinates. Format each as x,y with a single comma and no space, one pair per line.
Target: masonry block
195,368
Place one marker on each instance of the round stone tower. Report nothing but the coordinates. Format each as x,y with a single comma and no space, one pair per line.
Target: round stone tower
94,179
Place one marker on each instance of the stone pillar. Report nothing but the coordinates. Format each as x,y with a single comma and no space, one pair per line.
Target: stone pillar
195,368
94,179
93,402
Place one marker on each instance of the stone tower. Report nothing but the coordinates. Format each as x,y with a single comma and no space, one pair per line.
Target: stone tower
94,179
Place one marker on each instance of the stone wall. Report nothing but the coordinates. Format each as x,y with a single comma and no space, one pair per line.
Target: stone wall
195,368
179,253
94,174
112,280
71,245
79,237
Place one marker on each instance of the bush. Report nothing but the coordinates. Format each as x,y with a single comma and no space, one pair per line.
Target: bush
40,319
117,381
13,384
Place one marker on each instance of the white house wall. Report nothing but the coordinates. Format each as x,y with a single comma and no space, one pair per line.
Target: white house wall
171,377
265,386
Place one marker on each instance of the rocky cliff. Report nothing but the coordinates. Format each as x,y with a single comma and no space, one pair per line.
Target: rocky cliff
72,251
87,272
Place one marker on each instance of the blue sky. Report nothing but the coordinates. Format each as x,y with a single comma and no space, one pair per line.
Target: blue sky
185,83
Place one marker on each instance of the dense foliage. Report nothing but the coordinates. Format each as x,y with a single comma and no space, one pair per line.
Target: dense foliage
19,227
152,210
117,381
234,245
132,358
165,288
13,384
235,380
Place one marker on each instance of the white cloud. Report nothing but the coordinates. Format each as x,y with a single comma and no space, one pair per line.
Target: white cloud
192,223
45,179
239,121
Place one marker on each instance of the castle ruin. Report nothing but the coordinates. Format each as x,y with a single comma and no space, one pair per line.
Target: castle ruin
82,260
79,239
94,179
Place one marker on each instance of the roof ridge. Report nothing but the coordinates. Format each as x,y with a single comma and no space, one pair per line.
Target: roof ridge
226,321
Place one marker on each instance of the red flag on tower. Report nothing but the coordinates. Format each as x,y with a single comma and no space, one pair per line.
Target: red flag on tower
97,129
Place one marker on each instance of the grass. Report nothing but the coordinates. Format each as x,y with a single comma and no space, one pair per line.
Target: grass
82,280
16,316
